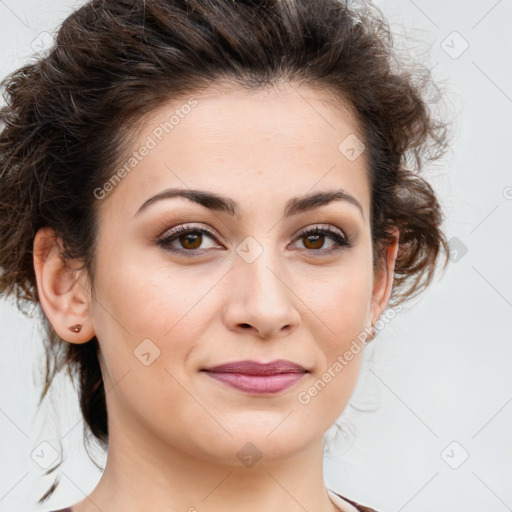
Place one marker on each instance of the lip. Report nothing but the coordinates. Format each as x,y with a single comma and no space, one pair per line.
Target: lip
258,378
250,367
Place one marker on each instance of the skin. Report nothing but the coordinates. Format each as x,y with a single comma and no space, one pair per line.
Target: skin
174,431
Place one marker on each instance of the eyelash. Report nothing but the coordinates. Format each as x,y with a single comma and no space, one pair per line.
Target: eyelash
164,242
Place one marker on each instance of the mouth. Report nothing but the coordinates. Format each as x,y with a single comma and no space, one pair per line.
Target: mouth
258,378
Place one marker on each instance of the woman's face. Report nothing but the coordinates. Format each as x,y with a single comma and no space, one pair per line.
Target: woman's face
246,283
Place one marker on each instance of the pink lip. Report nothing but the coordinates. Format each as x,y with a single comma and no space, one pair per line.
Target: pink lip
260,378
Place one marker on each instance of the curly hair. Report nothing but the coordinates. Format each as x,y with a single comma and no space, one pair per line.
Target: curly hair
69,115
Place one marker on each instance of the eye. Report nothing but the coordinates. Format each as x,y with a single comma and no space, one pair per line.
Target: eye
190,239
314,239
187,240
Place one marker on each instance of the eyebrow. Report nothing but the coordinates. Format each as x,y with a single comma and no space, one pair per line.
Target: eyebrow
293,206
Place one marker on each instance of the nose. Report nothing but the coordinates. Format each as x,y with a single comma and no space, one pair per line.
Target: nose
261,300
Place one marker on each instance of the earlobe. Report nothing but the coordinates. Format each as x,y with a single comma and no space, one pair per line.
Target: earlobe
384,277
64,298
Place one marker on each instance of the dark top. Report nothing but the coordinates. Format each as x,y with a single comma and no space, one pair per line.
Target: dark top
359,507
362,508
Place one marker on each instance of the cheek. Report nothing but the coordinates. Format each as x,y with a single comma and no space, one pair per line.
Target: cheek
341,302
139,300
349,305
343,307
147,324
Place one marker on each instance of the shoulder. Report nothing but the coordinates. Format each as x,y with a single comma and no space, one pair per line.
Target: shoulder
341,501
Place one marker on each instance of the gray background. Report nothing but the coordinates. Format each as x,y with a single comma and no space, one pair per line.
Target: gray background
438,374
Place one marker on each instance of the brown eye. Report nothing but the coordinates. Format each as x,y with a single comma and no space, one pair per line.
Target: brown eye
183,240
191,240
314,239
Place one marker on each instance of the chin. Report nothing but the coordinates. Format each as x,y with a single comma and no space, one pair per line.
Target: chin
256,445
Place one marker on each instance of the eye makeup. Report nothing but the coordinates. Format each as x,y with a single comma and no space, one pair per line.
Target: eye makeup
191,237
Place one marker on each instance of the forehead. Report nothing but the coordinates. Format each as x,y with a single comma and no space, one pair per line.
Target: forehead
272,108
283,140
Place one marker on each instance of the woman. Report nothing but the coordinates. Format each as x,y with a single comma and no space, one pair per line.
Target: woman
212,203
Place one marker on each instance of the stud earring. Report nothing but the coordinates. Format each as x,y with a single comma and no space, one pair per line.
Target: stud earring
76,328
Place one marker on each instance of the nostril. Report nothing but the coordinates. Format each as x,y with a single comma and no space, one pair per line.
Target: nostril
245,325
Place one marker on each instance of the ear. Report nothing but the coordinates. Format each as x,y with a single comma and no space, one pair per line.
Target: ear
63,292
383,278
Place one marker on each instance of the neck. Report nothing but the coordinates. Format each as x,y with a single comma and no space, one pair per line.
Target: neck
152,475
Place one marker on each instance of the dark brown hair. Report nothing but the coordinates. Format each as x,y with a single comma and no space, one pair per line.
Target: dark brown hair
68,115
